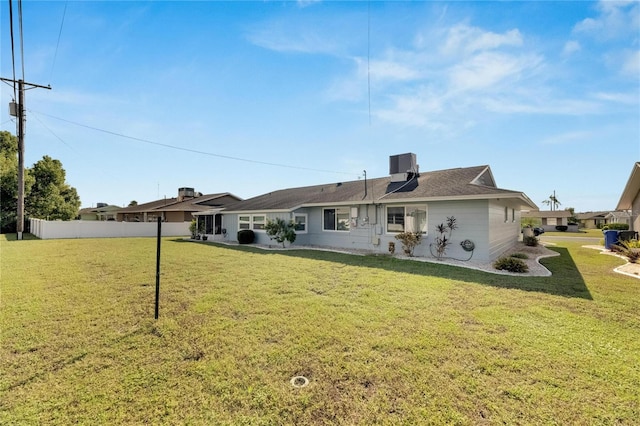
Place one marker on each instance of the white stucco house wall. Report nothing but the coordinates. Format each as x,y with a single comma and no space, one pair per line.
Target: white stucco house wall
630,198
368,214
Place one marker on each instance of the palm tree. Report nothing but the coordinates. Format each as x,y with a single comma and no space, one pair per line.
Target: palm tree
552,201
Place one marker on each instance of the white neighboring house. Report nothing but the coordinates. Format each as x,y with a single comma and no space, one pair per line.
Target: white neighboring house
630,198
549,219
368,214
619,217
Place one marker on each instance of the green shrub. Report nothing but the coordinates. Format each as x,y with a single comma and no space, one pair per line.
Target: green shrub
246,236
519,256
530,241
281,230
562,228
616,227
511,264
409,241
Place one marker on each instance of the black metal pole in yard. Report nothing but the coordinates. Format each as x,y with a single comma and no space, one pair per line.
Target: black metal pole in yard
158,268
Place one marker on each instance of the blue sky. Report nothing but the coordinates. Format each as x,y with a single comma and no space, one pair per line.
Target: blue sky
250,97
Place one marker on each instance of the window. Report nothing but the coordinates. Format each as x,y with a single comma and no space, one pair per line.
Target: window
395,219
300,221
513,215
506,214
407,219
259,222
244,222
335,219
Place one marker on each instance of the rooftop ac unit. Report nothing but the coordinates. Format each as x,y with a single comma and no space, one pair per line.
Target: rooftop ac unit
402,163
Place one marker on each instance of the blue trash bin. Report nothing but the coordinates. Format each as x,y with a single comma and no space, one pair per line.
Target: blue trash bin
610,238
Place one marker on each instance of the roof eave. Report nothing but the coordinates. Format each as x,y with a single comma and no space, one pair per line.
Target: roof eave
630,190
257,211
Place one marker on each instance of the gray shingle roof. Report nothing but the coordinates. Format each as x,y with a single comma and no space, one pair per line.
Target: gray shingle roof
172,204
461,183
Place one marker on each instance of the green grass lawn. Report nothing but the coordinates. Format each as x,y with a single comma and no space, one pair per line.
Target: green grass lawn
584,233
381,340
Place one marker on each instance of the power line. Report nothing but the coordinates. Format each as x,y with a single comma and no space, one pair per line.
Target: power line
195,151
51,131
21,37
13,49
55,56
369,57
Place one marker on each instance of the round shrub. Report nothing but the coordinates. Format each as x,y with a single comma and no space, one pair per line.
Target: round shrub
511,264
246,236
530,241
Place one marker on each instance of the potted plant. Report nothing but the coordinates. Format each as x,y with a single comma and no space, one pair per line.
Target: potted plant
201,231
193,229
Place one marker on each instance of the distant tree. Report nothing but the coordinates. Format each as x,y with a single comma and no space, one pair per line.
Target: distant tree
133,203
552,201
50,196
573,218
9,182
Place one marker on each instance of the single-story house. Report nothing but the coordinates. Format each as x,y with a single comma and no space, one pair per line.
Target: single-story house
630,199
549,219
368,214
101,212
177,209
619,217
593,220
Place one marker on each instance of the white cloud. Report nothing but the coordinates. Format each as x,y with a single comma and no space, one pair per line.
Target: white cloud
490,68
622,98
567,138
588,25
387,70
307,3
571,47
463,39
616,19
631,63
539,103
280,40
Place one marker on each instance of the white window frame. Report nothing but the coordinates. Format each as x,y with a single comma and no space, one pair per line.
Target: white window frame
258,222
408,209
344,212
244,221
248,221
305,222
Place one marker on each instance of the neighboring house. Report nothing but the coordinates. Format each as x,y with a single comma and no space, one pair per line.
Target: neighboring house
368,214
630,199
179,209
102,211
550,218
593,220
619,217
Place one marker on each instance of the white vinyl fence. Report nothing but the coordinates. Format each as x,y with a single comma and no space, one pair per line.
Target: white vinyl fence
48,230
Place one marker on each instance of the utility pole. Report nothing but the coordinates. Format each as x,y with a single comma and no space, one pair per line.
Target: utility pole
19,113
